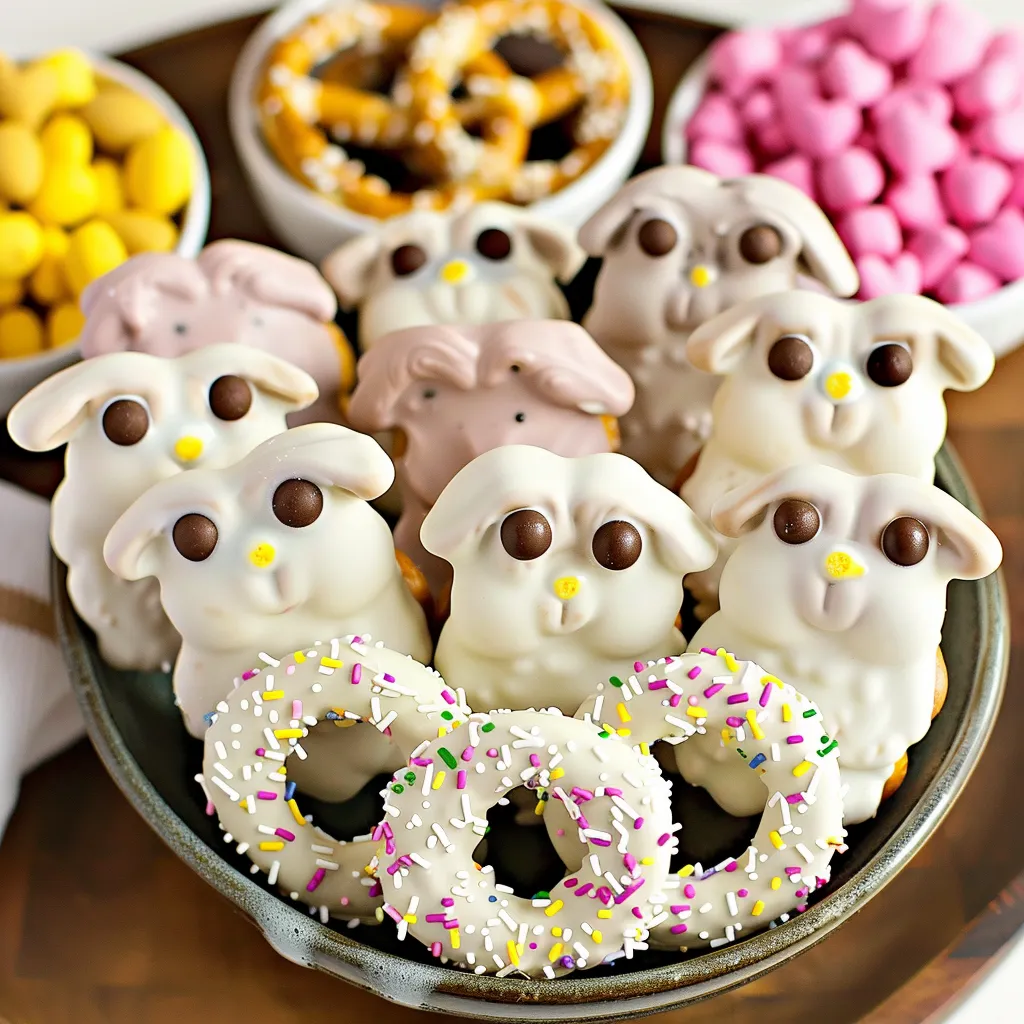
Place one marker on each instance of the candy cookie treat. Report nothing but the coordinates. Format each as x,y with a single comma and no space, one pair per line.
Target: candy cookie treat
564,568
838,584
166,304
436,893
477,264
259,732
808,379
262,555
679,246
130,420
452,393
770,739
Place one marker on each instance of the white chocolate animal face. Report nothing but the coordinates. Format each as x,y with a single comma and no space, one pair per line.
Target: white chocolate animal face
680,245
860,563
486,263
547,548
858,385
244,554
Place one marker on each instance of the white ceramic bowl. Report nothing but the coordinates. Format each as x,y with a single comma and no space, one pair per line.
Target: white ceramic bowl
311,226
17,376
998,318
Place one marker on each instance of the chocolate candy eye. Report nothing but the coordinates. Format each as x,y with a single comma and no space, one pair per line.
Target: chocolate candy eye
493,244
657,237
230,397
125,422
194,537
407,259
760,244
617,545
905,541
525,534
890,365
790,358
298,503
796,521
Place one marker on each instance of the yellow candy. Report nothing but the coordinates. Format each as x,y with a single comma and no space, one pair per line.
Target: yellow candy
21,163
66,139
21,244
21,333
69,194
119,118
158,172
55,242
110,185
64,324
76,80
28,95
11,291
48,283
94,249
144,232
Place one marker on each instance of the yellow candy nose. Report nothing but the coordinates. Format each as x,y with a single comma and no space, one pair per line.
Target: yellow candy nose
841,566
262,555
838,385
566,588
188,448
700,276
455,272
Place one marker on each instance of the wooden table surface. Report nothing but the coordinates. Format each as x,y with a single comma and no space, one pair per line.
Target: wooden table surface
100,924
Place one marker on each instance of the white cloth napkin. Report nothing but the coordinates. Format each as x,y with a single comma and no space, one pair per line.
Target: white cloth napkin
39,715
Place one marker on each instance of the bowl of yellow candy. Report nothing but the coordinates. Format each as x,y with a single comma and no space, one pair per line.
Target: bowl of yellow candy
97,163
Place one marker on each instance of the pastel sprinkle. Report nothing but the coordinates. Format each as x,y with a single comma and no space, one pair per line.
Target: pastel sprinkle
357,673
447,756
765,695
757,908
713,689
738,698
802,768
694,672
755,728
758,760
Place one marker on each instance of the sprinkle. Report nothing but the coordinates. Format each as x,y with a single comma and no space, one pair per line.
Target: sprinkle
802,768
776,840
288,837
616,681
765,694
657,684
810,713
288,734
217,781
438,780
318,876
776,883
272,695
696,713
513,953
694,672
262,794
447,756
289,790
730,662
597,936
756,729
734,722
795,738
357,673
787,713
272,846
758,760
329,663
713,689
757,908
737,698
296,813
638,666
624,715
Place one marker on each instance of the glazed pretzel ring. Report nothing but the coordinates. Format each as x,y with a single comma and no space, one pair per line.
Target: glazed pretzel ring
262,723
436,814
594,72
711,697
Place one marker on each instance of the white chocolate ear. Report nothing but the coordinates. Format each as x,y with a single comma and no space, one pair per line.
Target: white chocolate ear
349,268
270,373
597,233
720,344
554,245
823,251
683,541
968,549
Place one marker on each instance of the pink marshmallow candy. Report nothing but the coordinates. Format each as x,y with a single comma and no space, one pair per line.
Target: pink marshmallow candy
716,118
871,230
795,169
938,250
721,158
974,188
741,60
879,276
999,245
930,100
1001,135
1016,196
916,202
890,29
821,128
953,45
808,44
849,72
758,108
914,144
850,179
966,282
994,86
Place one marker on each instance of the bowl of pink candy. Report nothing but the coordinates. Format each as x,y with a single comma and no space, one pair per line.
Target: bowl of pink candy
905,122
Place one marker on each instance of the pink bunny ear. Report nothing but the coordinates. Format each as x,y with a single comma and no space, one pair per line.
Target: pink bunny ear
268,276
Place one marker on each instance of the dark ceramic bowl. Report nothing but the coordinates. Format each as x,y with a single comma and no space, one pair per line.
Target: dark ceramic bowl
138,734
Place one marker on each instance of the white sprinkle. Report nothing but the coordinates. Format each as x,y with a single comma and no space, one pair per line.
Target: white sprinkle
227,789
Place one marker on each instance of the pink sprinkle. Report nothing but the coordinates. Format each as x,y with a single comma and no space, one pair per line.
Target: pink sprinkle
765,694
794,798
421,762
435,949
357,673
388,677
357,639
451,924
296,709
467,754
344,901
461,779
288,837
604,894
290,670
612,791
679,908
492,752
265,794
434,918
630,862
638,666
570,882
677,929
707,650
260,752
664,838
533,945
801,907
713,689
792,871
599,842
731,866
318,877
734,722
447,901
626,893
742,893
694,672
535,760
693,700
581,794
794,739
582,822
657,684
738,698
637,912
584,889
251,674
210,809
689,892
800,893
448,698
375,889
675,699
392,912
639,823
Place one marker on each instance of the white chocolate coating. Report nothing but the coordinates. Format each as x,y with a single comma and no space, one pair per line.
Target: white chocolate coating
836,414
101,478
426,867
259,733
646,306
270,586
773,736
455,284
835,617
539,632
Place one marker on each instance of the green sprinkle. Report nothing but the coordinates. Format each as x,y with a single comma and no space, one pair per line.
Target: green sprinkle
810,714
448,757
398,788
447,716
487,727
740,752
542,895
615,680
410,777
604,734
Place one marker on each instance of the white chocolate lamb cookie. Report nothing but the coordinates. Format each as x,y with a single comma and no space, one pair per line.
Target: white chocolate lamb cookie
263,555
679,246
809,379
479,264
564,568
838,585
129,420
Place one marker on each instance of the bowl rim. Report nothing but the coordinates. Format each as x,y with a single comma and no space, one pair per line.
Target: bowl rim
253,153
196,220
580,998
